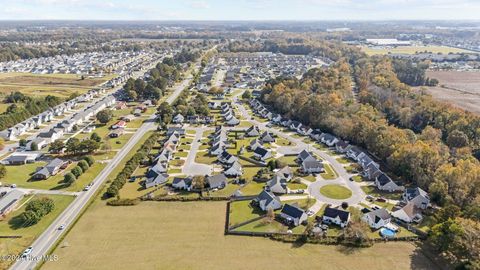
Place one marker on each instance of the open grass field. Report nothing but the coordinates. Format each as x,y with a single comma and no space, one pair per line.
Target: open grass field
12,226
61,85
459,88
412,50
155,235
337,192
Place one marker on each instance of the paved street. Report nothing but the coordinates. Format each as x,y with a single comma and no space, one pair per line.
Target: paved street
51,235
358,195
191,167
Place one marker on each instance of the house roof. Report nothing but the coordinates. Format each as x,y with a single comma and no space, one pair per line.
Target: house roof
261,151
304,154
379,214
216,180
10,198
292,210
335,212
267,197
383,179
178,180
312,164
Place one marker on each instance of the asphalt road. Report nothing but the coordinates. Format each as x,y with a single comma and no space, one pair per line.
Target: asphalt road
191,167
51,235
343,177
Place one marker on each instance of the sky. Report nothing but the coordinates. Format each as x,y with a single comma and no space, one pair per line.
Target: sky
240,10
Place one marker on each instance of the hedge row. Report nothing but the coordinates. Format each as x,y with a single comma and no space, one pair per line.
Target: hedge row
82,166
131,166
123,202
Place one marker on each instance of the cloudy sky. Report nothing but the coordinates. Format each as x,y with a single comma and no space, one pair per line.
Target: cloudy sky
239,9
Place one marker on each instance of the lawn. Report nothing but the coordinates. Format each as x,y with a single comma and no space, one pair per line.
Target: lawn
329,173
21,174
241,211
205,158
12,226
283,142
336,192
123,237
343,160
293,185
61,85
87,177
289,160
373,191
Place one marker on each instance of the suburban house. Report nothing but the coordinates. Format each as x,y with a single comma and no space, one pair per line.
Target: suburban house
233,121
293,215
52,168
285,172
155,179
341,146
409,213
353,152
128,118
40,142
267,137
227,158
21,158
119,124
52,135
254,144
178,119
328,139
252,131
267,200
383,182
417,196
182,183
305,156
377,218
336,216
371,172
10,201
312,166
262,153
116,133
218,181
277,185
234,170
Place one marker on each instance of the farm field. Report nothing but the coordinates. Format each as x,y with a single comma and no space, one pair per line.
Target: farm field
460,88
411,50
61,85
12,226
168,227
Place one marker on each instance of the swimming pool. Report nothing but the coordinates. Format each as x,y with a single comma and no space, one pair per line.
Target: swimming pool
387,233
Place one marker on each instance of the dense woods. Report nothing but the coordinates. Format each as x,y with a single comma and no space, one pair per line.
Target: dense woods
421,141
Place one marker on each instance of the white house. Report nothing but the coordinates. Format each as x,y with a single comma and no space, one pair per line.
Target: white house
336,216
293,214
377,218
267,200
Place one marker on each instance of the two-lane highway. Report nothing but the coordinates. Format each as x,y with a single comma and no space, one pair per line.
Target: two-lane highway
49,237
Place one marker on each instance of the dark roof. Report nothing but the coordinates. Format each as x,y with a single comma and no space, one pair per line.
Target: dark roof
292,211
261,151
188,180
334,212
383,179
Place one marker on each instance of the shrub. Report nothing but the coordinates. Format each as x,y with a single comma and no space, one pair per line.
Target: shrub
89,159
77,171
84,165
69,178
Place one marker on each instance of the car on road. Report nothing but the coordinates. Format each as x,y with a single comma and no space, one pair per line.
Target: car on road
61,227
87,188
27,252
13,186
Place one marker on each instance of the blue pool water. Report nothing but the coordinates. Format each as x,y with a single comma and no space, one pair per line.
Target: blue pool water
387,232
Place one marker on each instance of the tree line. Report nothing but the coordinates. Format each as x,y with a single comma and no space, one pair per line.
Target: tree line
422,141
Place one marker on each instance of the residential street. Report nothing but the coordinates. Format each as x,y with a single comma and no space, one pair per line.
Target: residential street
191,167
358,195
51,235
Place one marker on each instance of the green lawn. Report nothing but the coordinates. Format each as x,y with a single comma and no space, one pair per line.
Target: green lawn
329,173
205,158
252,188
289,160
310,178
336,192
292,185
373,191
343,160
241,211
357,178
21,174
87,177
12,225
413,50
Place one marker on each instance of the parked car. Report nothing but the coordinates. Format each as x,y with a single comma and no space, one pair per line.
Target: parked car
381,199
369,198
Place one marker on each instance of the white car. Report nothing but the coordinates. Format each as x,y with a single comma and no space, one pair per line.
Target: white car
87,188
61,227
27,252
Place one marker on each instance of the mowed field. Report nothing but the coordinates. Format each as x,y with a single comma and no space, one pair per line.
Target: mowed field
412,50
61,85
189,235
460,88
